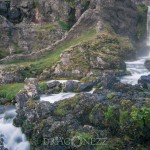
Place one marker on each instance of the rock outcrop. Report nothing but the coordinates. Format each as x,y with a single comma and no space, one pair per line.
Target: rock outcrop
87,116
144,81
32,88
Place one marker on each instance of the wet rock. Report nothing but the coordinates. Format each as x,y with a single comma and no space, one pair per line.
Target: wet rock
2,143
70,86
147,64
108,80
21,99
54,87
44,109
144,81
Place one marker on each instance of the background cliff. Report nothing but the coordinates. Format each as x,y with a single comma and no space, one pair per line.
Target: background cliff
68,38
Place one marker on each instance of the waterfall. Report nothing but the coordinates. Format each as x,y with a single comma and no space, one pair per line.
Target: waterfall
148,27
13,138
137,67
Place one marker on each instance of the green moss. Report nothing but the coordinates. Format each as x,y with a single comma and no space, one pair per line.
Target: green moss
142,20
46,27
63,106
64,25
111,95
71,3
3,53
98,109
31,104
124,118
9,91
140,116
43,86
109,113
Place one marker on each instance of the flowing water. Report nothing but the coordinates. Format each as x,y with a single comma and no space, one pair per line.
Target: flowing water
137,67
13,138
60,96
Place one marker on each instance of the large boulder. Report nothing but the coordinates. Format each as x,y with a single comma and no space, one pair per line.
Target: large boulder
70,86
144,81
54,87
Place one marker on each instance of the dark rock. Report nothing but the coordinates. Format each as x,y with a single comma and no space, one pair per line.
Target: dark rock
147,64
2,143
3,8
44,108
54,84
70,86
108,80
15,15
144,81
54,87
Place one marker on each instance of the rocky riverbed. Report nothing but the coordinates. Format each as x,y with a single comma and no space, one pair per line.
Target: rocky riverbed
60,65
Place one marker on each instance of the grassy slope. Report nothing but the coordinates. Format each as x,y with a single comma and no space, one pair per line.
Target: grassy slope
9,91
37,66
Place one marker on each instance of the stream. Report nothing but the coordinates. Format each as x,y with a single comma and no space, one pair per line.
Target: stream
137,67
14,139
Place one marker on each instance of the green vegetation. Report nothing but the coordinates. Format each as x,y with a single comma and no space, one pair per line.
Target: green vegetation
36,67
140,116
142,20
64,105
71,2
43,86
64,26
46,27
3,53
9,91
111,95
109,113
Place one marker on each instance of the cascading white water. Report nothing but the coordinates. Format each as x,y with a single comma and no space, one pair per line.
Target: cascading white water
13,138
60,96
137,68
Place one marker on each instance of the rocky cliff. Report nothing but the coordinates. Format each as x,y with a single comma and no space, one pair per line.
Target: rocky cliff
88,40
33,25
46,26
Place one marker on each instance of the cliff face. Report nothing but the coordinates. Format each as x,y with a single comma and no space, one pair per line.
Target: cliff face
147,2
35,28
33,25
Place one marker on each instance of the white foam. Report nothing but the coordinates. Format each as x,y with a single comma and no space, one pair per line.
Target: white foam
13,137
137,67
62,81
61,96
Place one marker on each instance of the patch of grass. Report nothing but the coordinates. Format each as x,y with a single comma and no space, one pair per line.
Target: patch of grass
9,91
64,26
46,27
43,86
3,53
63,106
36,67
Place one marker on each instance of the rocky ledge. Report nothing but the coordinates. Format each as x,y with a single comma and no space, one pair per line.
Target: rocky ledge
117,114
